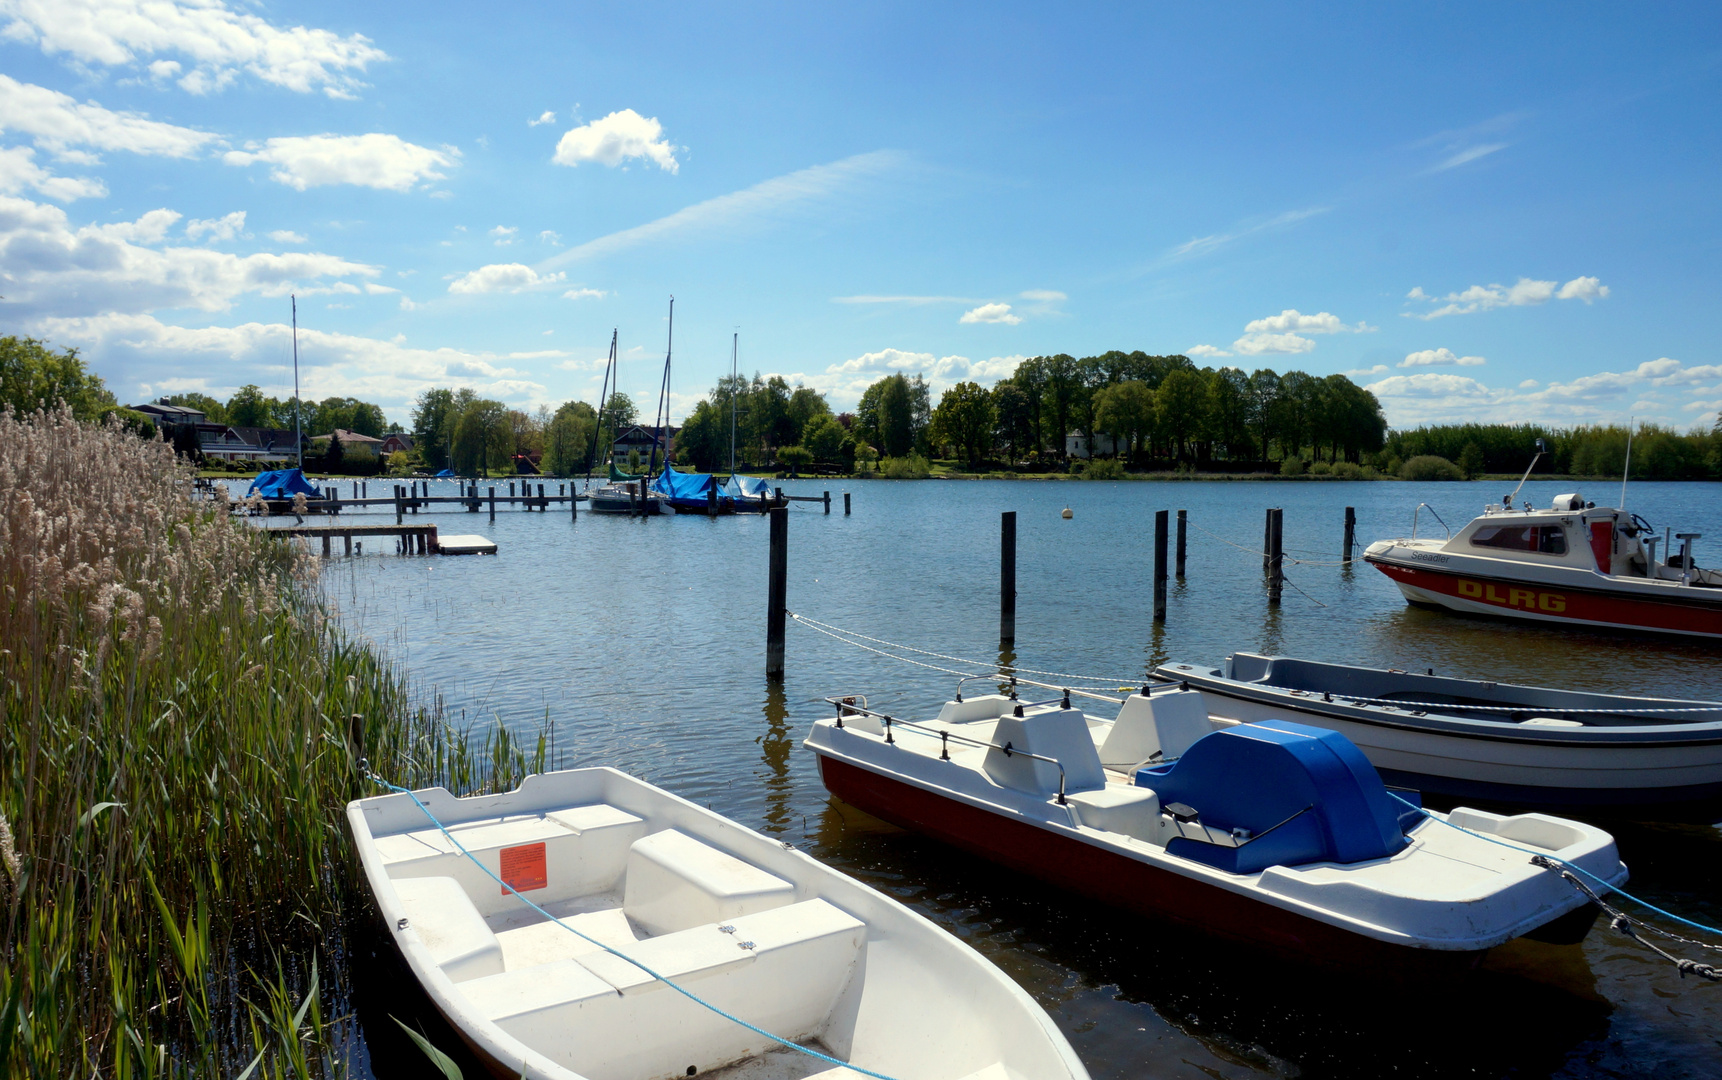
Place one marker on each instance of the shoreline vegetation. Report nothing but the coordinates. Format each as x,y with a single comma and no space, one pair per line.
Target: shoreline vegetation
183,724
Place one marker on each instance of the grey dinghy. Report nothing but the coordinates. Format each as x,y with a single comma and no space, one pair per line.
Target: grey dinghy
744,922
1526,746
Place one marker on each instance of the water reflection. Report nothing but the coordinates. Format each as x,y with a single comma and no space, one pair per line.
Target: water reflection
776,743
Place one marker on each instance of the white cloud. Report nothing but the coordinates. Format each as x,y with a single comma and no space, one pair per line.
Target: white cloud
550,236
1376,370
1283,333
1603,397
991,313
545,117
501,277
57,123
50,268
288,236
584,294
1468,155
19,173
843,383
374,289
139,350
1045,296
1529,384
221,228
1439,358
1526,292
1205,350
1203,245
218,42
375,160
778,197
615,139
504,234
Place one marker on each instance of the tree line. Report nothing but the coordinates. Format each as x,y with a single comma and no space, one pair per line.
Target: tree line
1658,452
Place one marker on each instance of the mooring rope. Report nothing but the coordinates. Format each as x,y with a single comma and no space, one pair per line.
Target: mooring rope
1625,925
1284,558
364,767
832,631
1573,872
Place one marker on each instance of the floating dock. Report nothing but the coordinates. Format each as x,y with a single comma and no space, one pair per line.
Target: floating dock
466,545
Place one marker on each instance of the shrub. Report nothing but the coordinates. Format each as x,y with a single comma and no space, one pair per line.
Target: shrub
1370,472
1345,470
1321,468
1105,469
913,467
1292,466
1430,467
794,458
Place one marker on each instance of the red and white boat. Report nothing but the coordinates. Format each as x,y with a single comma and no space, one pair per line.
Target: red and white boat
1572,564
1276,835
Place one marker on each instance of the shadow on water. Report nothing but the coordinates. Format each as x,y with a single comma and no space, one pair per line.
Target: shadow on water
1140,1000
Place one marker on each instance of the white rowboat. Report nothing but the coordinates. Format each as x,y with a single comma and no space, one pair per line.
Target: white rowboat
745,923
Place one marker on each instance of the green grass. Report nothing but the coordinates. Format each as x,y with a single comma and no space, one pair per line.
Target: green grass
182,727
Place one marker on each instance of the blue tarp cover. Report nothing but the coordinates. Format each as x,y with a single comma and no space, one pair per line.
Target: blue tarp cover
282,484
1315,785
746,487
683,485
446,474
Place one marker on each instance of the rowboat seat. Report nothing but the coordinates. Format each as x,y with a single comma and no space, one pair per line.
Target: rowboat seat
675,882
784,969
1158,728
457,936
1059,734
981,707
1132,811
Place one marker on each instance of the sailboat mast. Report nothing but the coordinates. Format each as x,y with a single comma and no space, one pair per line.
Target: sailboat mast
734,344
663,415
603,402
298,429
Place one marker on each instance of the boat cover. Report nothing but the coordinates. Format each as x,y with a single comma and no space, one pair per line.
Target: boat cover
618,476
747,487
282,484
681,485
446,474
1303,794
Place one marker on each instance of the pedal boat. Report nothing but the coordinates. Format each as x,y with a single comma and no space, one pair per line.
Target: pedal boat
749,924
1277,835
1529,747
1573,564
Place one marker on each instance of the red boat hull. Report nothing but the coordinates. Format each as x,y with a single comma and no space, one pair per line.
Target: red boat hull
1559,605
1118,880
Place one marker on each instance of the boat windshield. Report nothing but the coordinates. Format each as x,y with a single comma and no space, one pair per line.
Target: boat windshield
1544,539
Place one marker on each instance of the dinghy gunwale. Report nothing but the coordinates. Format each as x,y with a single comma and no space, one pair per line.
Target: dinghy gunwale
890,924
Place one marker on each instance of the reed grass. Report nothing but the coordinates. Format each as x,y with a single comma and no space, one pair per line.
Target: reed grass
182,726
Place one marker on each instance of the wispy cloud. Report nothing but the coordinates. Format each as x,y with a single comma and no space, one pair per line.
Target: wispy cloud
763,200
1461,146
1469,154
1526,292
1203,245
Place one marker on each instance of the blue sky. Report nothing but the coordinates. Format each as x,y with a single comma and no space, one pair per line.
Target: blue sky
1490,212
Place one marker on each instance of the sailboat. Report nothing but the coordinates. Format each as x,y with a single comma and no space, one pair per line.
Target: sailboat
628,495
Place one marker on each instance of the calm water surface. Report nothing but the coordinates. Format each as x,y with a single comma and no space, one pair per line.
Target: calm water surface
639,643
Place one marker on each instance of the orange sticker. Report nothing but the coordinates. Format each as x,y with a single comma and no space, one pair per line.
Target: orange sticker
523,868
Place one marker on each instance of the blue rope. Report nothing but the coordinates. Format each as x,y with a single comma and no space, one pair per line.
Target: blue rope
1574,867
690,995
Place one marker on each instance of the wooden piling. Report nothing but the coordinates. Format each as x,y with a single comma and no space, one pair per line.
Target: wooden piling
1182,517
1267,539
845,504
1276,556
349,542
573,503
777,593
711,501
542,505
1160,530
400,508
493,503
828,502
365,489
325,545
1007,576
1350,530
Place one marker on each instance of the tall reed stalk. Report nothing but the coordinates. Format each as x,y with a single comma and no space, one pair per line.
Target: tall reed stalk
182,724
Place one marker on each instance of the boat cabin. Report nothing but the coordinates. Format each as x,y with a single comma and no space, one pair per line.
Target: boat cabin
1582,535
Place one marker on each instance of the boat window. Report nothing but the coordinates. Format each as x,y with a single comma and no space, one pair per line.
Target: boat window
1544,539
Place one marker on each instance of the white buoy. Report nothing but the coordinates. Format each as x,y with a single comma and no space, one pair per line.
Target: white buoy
1067,515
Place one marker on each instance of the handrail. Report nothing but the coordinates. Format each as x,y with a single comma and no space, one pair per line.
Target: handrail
1422,506
846,707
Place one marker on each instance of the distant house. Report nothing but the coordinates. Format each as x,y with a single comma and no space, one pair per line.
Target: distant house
351,438
645,440
1078,445
251,444
163,413
399,442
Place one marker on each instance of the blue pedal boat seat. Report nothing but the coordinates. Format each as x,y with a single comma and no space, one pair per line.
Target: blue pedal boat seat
1275,793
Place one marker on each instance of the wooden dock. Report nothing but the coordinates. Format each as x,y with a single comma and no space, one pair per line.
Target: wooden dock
414,539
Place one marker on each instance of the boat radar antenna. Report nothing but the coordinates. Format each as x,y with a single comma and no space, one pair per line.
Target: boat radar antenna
1626,470
1508,501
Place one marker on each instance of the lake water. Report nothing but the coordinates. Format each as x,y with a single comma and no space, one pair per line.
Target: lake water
640,643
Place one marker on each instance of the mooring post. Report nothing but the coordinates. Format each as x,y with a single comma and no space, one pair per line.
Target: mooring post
348,537
365,489
493,504
777,593
828,502
1160,531
711,501
845,504
511,489
541,503
1350,530
1007,576
1276,556
1268,539
325,545
400,509
1182,516
573,503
